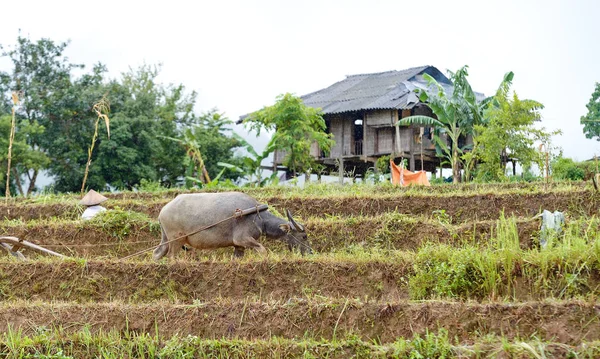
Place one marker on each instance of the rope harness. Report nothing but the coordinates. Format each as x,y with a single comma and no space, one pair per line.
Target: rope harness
238,213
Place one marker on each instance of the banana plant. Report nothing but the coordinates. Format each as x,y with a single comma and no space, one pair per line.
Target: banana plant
457,114
252,165
195,162
453,120
215,182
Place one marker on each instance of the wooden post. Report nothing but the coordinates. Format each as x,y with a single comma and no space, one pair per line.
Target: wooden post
341,170
547,165
343,135
411,163
398,139
421,131
364,149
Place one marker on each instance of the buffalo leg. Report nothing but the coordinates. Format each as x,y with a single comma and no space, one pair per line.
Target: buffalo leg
238,252
174,248
161,250
249,242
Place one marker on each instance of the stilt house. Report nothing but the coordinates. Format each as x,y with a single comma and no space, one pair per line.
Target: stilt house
361,110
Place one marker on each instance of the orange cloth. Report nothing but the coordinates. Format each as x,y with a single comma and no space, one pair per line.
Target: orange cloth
403,177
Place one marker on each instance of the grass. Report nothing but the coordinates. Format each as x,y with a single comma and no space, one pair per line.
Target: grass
353,292
329,190
119,223
447,272
125,230
499,269
56,344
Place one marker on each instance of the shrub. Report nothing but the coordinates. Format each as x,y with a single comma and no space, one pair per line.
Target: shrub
566,169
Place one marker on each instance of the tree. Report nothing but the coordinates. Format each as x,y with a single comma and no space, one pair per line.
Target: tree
217,143
296,127
209,152
509,131
23,156
56,121
41,74
68,134
591,121
143,113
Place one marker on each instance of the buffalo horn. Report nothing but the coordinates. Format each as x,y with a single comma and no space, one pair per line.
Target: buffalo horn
291,219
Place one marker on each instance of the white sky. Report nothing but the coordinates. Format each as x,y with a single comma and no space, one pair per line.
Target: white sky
239,55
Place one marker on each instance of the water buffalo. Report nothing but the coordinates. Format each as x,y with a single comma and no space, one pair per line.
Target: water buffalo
189,212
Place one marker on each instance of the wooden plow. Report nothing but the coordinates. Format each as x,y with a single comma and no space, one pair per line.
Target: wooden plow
13,244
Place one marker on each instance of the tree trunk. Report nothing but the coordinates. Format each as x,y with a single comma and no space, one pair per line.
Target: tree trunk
18,182
32,183
205,174
455,169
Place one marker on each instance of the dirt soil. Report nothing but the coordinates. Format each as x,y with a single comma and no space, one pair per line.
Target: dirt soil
568,323
458,209
184,282
462,188
188,281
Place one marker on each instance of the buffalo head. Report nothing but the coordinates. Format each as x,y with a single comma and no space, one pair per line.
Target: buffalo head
295,235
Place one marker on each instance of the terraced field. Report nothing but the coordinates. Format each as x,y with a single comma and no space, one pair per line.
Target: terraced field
449,271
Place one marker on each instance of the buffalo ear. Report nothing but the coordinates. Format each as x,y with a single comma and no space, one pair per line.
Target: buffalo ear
285,227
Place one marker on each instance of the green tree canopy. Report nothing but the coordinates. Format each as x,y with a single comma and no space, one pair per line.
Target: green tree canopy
296,127
23,156
41,75
591,121
509,132
145,116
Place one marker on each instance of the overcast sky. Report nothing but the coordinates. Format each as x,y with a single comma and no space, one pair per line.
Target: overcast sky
239,55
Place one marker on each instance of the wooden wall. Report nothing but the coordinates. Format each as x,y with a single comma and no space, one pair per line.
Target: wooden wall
342,129
379,134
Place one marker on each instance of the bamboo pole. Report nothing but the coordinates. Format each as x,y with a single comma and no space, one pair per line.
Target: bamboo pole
15,98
